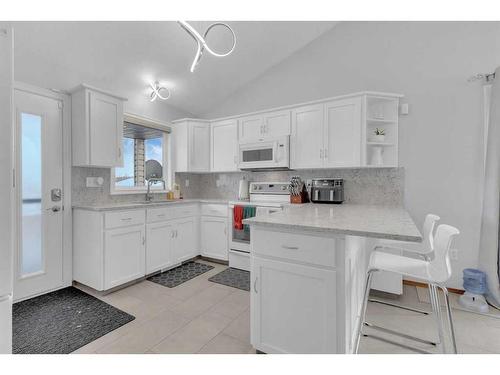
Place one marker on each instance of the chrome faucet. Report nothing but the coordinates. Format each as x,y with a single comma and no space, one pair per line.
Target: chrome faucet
151,181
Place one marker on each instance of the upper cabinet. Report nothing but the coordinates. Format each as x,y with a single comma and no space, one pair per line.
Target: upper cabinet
191,145
97,128
224,146
326,135
264,126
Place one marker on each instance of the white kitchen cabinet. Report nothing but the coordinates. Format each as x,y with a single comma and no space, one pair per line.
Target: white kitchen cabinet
124,255
191,145
291,301
327,135
264,126
224,146
185,239
159,246
342,134
306,141
97,128
214,240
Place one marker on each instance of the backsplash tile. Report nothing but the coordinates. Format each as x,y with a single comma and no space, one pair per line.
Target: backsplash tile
380,186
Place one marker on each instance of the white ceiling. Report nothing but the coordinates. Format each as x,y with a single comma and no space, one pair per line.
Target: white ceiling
123,56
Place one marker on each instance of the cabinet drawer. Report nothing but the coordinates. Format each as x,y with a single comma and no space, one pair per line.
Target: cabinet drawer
154,215
184,210
123,218
214,210
299,247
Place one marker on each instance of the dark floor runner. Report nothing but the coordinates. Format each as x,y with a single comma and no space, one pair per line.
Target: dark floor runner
233,277
181,274
62,321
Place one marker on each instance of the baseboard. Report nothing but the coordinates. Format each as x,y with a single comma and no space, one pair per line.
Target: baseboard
424,285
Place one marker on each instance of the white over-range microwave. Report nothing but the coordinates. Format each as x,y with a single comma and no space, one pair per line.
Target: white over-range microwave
265,154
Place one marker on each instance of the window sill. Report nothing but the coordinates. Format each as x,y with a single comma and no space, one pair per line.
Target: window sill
135,192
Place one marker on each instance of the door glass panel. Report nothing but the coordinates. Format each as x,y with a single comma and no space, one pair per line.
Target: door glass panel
265,154
31,192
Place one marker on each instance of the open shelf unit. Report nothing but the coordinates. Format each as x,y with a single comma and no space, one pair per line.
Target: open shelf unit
380,111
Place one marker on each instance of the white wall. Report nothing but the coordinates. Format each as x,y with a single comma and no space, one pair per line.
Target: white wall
441,141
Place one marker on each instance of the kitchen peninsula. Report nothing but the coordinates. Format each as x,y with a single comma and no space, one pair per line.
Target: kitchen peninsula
308,266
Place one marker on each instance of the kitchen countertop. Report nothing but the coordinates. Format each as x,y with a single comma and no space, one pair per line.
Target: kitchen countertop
392,223
142,205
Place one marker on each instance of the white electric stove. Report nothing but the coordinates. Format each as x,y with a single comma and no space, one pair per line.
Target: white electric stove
267,197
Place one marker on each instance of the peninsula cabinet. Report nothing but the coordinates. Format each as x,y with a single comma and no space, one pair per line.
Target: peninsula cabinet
97,128
264,126
191,145
224,146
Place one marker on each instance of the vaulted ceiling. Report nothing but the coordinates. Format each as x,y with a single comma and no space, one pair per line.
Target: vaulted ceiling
124,56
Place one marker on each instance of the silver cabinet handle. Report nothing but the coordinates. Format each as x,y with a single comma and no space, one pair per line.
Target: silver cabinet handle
325,153
54,209
126,219
119,152
321,153
143,240
161,215
255,285
172,234
289,247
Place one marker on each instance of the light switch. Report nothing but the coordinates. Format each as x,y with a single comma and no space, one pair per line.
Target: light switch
403,109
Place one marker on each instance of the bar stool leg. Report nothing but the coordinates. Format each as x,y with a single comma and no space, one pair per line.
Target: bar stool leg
363,310
450,319
437,310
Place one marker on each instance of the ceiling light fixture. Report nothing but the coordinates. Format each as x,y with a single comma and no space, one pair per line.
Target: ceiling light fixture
157,89
201,44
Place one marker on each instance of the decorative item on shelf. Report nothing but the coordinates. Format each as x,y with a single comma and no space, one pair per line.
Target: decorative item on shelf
377,156
379,135
170,195
298,191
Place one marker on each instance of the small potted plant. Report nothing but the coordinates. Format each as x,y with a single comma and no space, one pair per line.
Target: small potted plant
379,135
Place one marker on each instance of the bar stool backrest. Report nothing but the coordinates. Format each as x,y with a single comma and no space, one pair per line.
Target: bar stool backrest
440,266
428,231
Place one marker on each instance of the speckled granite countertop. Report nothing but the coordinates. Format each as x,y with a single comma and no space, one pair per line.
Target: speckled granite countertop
392,223
142,205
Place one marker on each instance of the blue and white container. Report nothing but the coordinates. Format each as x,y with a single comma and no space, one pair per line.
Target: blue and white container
475,285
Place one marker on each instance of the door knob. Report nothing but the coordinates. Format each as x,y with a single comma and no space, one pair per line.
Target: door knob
54,209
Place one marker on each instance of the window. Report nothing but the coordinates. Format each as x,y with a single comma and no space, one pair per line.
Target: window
140,143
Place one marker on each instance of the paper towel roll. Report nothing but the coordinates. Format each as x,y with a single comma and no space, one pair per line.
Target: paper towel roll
243,190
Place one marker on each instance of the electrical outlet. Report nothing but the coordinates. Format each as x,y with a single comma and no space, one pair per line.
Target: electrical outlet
186,183
454,254
218,182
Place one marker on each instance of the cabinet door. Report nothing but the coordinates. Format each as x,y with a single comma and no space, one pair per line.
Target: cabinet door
251,128
106,130
276,124
343,133
159,246
123,255
293,308
185,242
199,150
214,243
306,141
224,146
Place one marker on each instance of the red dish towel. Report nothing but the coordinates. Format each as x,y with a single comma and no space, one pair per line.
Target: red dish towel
238,217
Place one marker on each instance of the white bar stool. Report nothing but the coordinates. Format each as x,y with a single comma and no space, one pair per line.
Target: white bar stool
423,249
435,272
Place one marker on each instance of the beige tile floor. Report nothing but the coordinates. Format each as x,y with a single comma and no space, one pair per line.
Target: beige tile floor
199,316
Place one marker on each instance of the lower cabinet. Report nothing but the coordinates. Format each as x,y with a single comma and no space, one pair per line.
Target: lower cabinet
214,241
290,301
124,255
159,252
185,239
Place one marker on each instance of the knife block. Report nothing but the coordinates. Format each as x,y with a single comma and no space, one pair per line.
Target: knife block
298,199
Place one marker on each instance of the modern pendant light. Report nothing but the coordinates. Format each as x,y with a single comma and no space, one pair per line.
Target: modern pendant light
157,89
201,44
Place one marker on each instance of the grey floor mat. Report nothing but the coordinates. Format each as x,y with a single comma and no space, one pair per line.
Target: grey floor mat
62,321
233,277
181,274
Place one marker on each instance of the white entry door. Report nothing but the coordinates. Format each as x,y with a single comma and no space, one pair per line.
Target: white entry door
38,265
